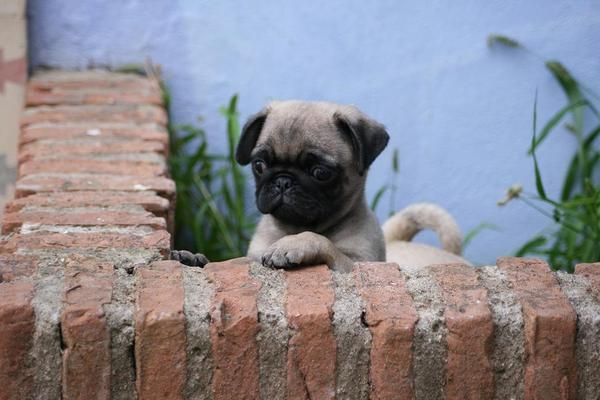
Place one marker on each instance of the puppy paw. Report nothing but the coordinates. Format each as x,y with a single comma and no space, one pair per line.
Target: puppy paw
188,258
293,251
282,257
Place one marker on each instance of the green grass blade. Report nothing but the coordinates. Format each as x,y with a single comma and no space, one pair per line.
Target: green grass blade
539,184
533,246
494,39
471,234
570,179
553,122
571,89
591,137
377,197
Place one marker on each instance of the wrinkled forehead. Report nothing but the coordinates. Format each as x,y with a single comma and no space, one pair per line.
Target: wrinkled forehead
293,127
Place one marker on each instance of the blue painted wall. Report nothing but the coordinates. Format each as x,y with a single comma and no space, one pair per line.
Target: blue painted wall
459,113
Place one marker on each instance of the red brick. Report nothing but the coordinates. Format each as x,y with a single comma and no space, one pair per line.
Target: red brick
160,339
13,266
312,348
391,317
17,325
159,240
92,113
12,221
37,96
469,373
68,130
550,322
60,149
233,329
150,201
114,167
97,182
90,79
86,358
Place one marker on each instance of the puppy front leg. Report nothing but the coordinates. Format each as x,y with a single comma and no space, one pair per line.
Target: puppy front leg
306,248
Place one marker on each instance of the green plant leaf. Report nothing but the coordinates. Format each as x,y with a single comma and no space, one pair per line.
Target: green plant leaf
570,179
532,246
377,197
502,40
539,184
553,122
571,89
471,234
591,137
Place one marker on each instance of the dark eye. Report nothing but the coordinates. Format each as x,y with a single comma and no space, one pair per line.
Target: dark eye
259,166
321,173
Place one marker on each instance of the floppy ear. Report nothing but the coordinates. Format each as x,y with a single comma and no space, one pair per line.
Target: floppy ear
367,136
249,136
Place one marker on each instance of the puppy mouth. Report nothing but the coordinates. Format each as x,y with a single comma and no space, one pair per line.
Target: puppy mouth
290,214
286,207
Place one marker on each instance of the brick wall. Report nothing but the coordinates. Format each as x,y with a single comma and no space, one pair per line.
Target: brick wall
88,309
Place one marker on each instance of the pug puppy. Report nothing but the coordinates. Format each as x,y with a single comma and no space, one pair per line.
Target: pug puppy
310,162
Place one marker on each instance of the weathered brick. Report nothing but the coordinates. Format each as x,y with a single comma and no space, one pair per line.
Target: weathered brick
90,79
233,329
70,130
86,358
17,325
37,96
159,240
58,149
391,317
160,340
93,113
114,167
312,347
12,221
583,290
469,373
550,323
13,266
148,200
38,183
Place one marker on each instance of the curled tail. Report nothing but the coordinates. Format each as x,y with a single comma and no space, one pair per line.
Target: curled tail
405,224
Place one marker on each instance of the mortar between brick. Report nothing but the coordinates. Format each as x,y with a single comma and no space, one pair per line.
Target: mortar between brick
198,293
29,228
429,345
133,208
119,314
46,353
149,157
273,336
508,355
587,346
353,340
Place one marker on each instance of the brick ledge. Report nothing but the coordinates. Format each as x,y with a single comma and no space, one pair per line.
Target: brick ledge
88,308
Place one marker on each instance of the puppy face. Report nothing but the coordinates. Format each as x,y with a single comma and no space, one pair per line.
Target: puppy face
309,160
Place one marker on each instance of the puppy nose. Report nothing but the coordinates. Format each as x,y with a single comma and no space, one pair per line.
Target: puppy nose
283,182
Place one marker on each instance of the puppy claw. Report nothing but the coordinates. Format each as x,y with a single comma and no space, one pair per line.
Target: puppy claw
280,259
188,258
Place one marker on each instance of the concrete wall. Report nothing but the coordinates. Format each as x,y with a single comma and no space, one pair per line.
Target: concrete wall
13,73
459,113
